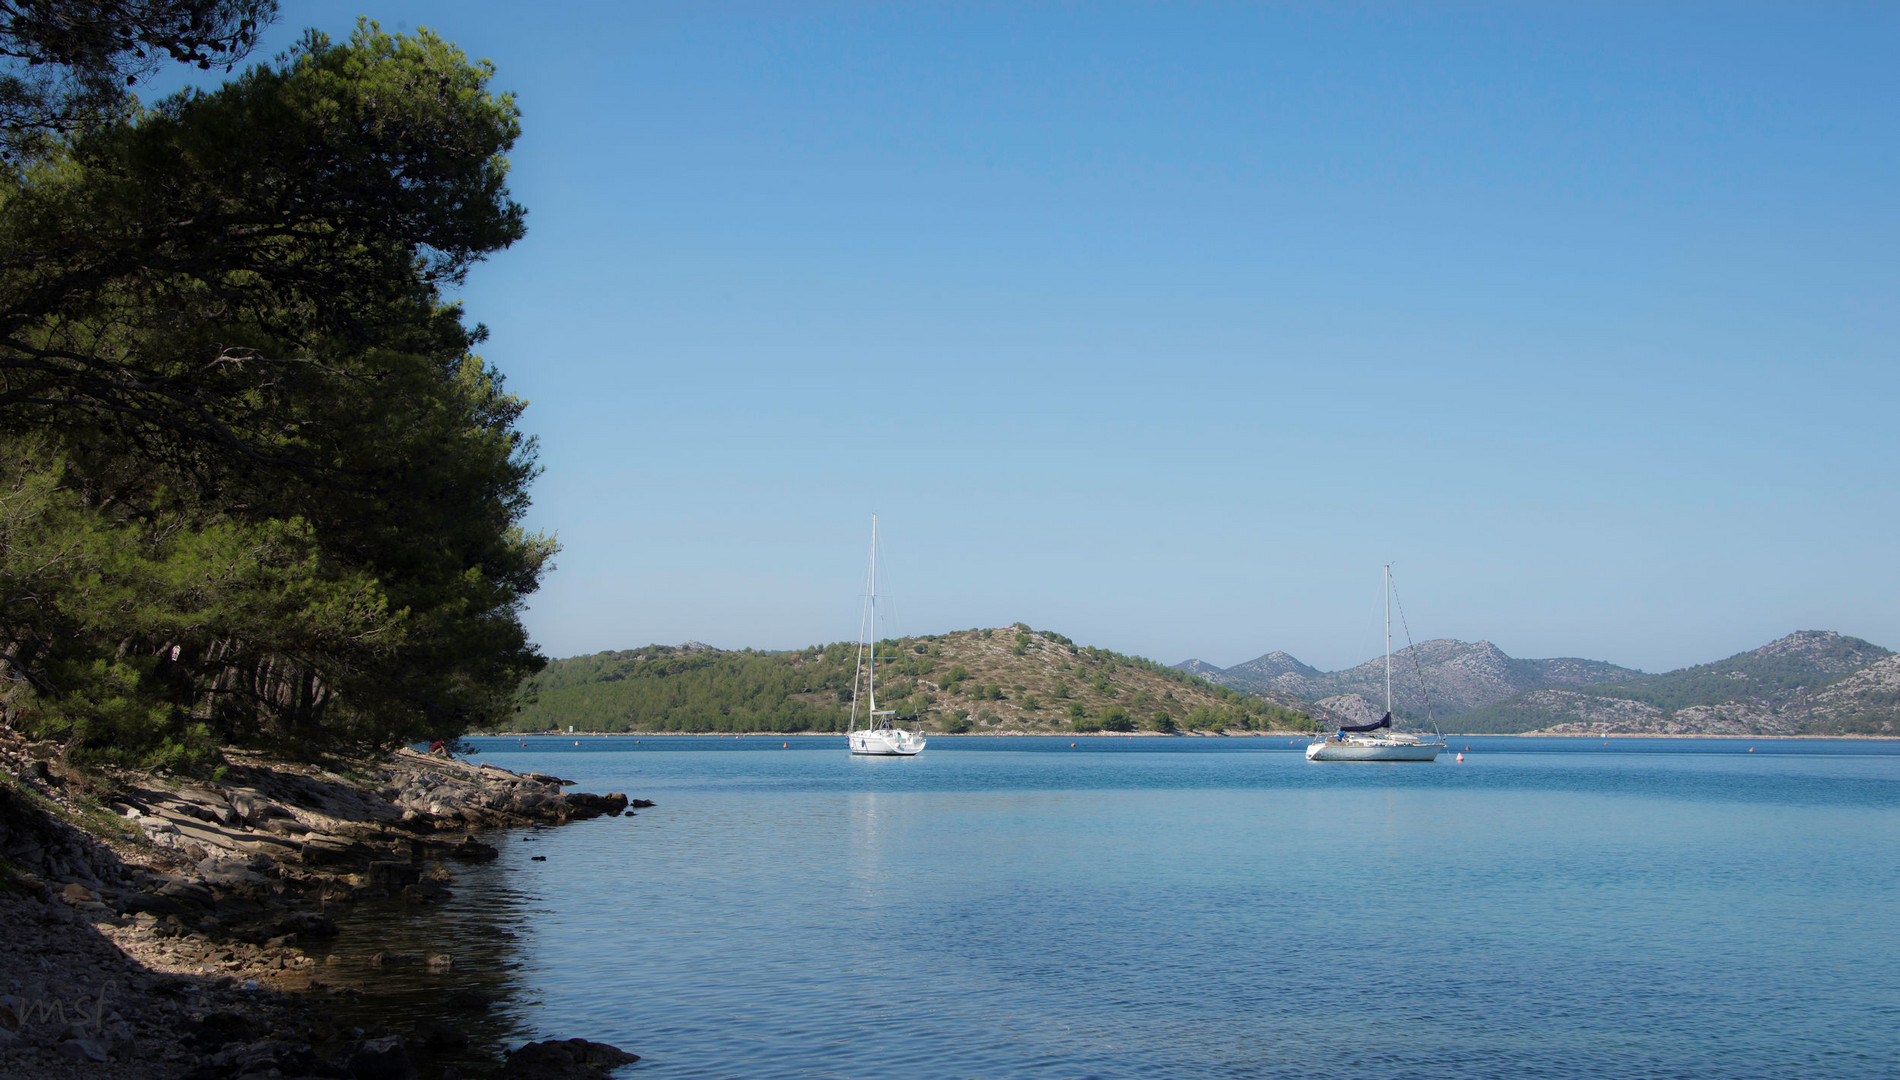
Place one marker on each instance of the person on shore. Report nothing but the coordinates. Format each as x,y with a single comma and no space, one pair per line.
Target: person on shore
440,747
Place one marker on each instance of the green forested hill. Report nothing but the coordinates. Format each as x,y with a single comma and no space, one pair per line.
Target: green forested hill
660,688
1007,679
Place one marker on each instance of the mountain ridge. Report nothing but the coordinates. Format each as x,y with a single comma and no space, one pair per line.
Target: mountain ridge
1457,676
1807,682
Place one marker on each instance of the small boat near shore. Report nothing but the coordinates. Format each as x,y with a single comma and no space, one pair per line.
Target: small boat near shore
880,737
1377,741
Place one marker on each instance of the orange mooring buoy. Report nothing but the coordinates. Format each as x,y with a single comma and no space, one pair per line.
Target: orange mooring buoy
785,746
1751,749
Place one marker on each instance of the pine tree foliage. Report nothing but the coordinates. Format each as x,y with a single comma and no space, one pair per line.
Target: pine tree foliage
257,484
67,63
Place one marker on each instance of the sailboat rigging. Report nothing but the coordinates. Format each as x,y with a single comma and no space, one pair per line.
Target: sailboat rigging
1357,742
881,737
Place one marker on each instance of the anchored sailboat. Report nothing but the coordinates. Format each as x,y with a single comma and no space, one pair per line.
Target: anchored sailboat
1357,742
881,737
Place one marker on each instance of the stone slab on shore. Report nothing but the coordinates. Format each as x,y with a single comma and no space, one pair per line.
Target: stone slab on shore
154,924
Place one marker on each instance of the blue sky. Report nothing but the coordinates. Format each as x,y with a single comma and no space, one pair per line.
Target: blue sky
1164,326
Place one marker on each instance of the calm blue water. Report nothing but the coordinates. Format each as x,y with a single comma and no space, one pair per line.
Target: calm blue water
1212,908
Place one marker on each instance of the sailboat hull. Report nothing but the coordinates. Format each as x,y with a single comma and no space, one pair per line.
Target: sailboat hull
886,743
1372,750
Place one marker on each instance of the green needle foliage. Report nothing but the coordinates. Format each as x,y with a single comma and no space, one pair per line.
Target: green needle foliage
67,64
256,484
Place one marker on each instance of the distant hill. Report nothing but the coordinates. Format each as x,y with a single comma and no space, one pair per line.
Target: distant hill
1810,682
1262,670
1458,676
1001,679
1197,669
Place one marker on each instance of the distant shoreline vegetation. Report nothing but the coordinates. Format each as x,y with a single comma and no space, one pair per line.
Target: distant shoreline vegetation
577,733
996,681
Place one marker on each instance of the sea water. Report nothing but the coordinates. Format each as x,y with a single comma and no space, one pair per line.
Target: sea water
1149,907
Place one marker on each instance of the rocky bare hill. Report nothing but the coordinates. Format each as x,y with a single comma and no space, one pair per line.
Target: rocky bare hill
1002,679
1275,665
1199,669
1810,682
1457,677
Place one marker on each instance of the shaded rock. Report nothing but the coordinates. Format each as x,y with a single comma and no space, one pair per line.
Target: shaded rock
187,891
255,811
307,924
435,1035
267,1057
133,903
85,1050
380,1059
318,851
473,850
219,1029
564,1059
391,876
470,1001
118,1035
581,805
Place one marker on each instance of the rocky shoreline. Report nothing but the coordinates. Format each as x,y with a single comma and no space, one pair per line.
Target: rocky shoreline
156,927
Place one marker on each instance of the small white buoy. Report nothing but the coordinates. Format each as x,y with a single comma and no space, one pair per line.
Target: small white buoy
1461,757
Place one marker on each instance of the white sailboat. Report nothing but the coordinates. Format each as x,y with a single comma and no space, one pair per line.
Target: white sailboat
1377,742
881,737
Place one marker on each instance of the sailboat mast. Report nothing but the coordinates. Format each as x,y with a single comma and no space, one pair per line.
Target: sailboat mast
871,630
1388,632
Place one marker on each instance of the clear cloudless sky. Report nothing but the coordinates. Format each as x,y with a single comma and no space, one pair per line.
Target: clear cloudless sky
1163,326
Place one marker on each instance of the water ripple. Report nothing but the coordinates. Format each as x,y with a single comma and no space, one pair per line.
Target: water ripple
1222,912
